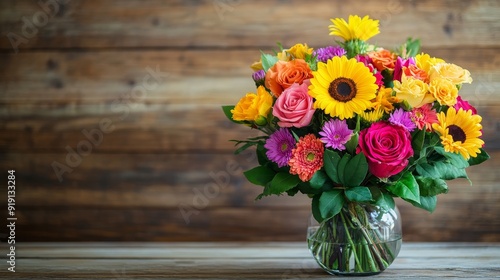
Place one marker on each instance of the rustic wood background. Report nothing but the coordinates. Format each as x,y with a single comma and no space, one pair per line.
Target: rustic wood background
81,65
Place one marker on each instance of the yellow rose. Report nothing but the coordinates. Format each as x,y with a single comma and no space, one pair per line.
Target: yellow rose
444,91
425,61
414,91
300,51
451,72
253,107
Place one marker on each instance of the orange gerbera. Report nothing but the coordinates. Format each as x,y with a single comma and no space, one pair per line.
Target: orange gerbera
307,157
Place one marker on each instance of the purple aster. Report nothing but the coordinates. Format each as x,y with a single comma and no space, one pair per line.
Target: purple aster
324,54
258,75
335,134
402,118
279,146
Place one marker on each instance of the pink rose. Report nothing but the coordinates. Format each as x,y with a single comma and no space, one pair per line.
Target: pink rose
387,148
294,107
464,105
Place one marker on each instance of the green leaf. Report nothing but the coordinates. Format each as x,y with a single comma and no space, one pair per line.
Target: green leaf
305,188
315,209
261,154
268,61
456,159
431,186
282,182
330,203
318,179
417,142
412,47
260,175
352,143
382,198
227,111
481,157
441,170
406,188
331,161
244,147
341,168
426,202
359,194
355,170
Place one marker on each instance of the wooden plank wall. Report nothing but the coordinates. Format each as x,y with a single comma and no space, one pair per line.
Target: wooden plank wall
135,87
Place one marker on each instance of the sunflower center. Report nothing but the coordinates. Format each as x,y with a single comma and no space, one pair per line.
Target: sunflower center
457,133
342,89
310,156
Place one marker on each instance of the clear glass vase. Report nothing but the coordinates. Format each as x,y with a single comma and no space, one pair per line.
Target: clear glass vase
363,239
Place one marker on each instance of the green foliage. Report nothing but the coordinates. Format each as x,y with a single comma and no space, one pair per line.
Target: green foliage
441,170
355,171
331,161
483,156
411,48
318,179
382,198
282,182
426,202
268,61
227,111
330,203
431,186
406,188
315,208
359,194
260,175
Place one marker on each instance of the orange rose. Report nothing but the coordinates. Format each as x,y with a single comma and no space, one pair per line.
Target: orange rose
415,72
383,59
285,73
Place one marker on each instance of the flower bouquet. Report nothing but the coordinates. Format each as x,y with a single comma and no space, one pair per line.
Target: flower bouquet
352,126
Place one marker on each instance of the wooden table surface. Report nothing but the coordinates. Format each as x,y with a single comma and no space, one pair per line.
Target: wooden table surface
284,260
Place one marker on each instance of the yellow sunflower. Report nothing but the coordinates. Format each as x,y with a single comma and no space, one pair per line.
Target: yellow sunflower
357,28
342,87
460,132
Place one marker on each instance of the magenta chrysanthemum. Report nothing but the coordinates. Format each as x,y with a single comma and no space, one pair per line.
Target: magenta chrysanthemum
279,146
324,54
335,134
402,118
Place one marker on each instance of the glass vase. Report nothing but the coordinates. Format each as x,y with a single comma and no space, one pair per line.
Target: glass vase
363,239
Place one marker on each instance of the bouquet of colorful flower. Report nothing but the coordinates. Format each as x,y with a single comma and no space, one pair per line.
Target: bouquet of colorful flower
355,124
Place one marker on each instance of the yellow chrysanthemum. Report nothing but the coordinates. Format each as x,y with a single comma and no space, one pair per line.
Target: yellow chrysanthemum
425,61
357,28
460,132
343,87
384,100
373,115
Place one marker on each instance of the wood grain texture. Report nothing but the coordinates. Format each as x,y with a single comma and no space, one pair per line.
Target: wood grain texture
175,23
240,261
156,72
